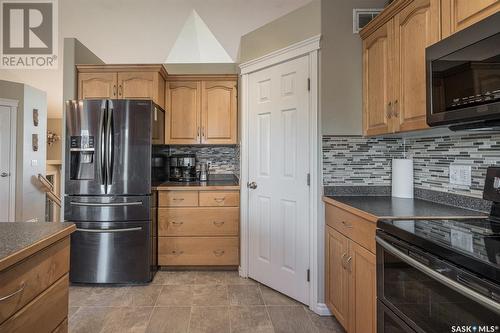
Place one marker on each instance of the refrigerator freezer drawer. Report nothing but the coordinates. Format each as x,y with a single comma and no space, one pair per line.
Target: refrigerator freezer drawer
107,208
112,253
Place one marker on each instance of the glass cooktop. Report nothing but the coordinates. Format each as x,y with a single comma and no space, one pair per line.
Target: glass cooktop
471,243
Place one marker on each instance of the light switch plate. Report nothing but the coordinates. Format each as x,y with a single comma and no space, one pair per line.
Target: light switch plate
460,175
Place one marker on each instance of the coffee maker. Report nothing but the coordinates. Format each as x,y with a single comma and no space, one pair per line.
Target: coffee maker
183,168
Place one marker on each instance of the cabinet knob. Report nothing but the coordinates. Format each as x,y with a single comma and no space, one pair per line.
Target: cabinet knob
218,223
389,110
396,109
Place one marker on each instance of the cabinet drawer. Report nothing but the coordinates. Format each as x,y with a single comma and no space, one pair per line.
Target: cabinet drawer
29,278
354,227
203,251
213,221
44,313
220,199
178,198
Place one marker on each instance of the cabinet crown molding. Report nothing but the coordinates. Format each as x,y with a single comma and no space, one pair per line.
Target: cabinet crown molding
123,68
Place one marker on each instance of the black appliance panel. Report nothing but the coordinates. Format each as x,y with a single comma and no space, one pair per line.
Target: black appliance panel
426,302
111,252
463,76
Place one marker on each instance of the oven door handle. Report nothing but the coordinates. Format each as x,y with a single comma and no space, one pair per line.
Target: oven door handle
467,292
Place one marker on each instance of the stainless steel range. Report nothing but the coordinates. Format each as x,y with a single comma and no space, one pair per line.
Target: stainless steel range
441,275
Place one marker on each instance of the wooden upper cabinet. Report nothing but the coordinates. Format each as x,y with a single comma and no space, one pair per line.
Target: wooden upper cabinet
415,27
362,290
97,85
377,78
219,112
122,82
459,14
202,109
336,275
183,112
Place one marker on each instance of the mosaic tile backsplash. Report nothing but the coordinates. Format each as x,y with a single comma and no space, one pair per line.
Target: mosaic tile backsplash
349,160
222,159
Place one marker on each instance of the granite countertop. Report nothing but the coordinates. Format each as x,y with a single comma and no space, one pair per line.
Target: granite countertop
381,207
19,240
216,182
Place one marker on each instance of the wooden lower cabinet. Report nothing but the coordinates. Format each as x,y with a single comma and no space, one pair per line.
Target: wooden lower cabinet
362,290
35,291
198,228
337,277
350,272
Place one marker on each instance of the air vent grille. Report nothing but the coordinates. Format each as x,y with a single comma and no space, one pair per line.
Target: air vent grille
362,16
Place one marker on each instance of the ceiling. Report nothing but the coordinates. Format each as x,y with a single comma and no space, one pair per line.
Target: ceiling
131,31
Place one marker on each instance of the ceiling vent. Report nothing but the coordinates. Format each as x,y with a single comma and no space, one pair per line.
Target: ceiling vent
362,16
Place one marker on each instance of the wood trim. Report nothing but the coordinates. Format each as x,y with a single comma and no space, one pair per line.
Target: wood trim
123,68
202,77
385,16
35,247
350,209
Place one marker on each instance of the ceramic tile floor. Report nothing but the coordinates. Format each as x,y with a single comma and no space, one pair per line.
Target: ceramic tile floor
192,302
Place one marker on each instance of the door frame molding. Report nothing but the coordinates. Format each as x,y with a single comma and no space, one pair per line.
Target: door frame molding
13,105
309,47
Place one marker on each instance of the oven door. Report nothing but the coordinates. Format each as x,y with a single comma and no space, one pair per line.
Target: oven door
427,294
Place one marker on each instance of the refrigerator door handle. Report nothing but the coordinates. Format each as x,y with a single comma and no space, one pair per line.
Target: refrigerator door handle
97,204
109,230
103,144
109,144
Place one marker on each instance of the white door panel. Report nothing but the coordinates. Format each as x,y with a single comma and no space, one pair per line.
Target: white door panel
279,164
5,172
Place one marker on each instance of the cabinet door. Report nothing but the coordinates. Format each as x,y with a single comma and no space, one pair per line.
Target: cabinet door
136,85
336,275
459,14
361,265
377,52
97,85
415,28
219,115
183,110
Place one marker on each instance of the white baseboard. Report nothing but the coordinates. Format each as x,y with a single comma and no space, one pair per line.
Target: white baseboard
321,309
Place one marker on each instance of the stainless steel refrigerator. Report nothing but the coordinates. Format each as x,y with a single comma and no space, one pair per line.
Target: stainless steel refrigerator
108,190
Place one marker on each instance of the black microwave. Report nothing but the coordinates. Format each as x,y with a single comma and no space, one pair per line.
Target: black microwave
463,78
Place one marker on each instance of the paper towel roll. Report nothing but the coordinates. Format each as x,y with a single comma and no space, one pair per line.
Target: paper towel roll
402,178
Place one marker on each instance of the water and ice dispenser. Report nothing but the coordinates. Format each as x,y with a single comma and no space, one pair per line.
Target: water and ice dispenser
82,151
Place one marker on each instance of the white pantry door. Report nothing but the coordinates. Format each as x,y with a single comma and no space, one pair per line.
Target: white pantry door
279,166
5,164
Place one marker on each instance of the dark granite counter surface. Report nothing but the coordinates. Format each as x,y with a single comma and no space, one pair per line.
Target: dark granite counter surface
389,207
21,239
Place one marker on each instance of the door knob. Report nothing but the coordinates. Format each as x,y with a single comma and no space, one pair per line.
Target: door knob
4,174
252,185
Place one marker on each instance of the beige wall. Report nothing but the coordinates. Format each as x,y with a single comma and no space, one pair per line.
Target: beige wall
54,151
202,68
341,67
291,28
